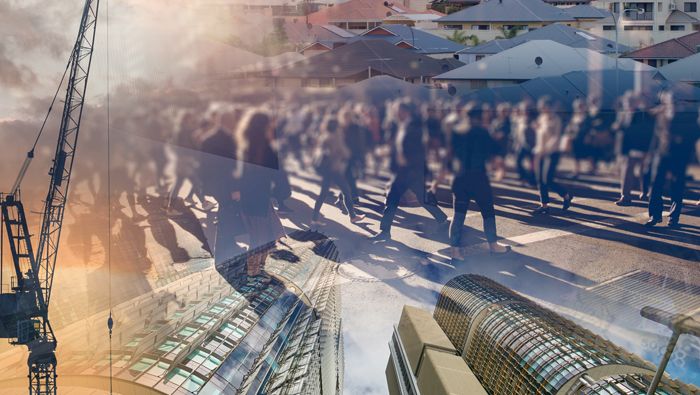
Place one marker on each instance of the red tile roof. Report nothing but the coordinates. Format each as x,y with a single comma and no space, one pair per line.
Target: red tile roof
361,11
677,48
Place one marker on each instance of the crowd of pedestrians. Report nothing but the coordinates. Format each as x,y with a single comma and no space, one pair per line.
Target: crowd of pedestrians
422,145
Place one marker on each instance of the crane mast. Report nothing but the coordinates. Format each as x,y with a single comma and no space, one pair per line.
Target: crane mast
24,311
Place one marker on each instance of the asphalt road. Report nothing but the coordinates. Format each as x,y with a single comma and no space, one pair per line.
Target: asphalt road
595,264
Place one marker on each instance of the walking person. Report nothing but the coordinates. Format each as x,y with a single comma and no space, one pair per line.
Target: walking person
674,138
500,129
331,162
408,161
219,159
548,132
256,174
523,143
635,128
472,145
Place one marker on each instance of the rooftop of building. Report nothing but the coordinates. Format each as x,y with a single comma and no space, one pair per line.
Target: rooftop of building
298,31
362,10
563,34
411,38
675,48
684,70
586,11
538,58
514,11
378,55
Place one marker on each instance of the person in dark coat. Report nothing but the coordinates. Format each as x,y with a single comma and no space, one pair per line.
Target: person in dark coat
219,160
408,161
256,174
472,146
635,129
674,139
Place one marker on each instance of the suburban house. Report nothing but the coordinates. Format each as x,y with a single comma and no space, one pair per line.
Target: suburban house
533,59
643,23
685,70
489,19
360,15
604,84
667,52
354,62
563,34
402,36
302,35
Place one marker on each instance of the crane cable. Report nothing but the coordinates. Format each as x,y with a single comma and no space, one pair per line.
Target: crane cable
110,320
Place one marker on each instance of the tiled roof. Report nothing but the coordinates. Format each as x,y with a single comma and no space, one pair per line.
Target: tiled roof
562,34
685,70
520,63
299,32
585,11
510,11
422,41
677,48
360,56
677,16
360,11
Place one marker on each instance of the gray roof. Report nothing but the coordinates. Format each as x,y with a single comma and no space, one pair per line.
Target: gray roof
585,11
360,56
685,70
562,34
677,16
510,11
566,88
423,42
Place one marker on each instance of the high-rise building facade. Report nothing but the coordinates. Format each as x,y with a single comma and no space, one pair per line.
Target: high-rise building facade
221,332
513,346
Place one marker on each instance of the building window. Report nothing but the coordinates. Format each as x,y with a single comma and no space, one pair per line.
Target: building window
479,57
659,6
453,27
357,25
481,27
630,28
608,27
677,28
690,7
647,15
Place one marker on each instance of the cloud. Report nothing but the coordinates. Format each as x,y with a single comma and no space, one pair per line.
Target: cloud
14,75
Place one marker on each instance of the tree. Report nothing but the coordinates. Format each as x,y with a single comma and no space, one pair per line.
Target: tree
508,33
460,37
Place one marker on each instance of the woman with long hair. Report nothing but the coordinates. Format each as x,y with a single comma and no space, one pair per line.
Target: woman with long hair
256,174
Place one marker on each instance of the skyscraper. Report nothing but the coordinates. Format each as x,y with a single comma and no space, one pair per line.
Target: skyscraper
220,331
514,346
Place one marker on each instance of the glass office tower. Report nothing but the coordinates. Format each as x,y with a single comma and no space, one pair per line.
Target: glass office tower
515,346
219,331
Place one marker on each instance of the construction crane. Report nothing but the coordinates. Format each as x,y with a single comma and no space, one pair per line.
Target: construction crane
24,309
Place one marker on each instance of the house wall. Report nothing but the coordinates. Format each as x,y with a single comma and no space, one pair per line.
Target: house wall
470,85
630,32
486,31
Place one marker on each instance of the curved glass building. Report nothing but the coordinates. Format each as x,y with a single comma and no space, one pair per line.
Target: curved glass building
514,346
219,331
